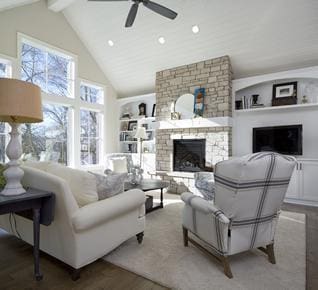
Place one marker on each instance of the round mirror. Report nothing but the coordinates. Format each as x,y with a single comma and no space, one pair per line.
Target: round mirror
184,106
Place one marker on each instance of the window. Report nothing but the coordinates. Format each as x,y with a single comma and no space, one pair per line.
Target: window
58,138
90,137
92,94
47,141
5,68
49,69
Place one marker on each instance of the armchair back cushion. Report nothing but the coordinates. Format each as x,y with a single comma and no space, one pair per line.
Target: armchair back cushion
112,156
118,165
250,191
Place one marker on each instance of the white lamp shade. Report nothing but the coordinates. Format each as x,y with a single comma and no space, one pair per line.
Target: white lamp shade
20,101
141,133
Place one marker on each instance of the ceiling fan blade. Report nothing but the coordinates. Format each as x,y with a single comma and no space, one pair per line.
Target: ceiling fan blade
132,15
164,11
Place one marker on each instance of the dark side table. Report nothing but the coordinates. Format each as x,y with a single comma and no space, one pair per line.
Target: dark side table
148,185
34,204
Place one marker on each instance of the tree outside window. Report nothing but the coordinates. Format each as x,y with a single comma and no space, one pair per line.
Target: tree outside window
47,141
52,72
90,137
91,94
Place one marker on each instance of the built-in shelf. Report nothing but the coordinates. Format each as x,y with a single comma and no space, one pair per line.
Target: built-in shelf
277,108
138,119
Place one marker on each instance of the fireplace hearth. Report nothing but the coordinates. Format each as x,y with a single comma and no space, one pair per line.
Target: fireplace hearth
189,155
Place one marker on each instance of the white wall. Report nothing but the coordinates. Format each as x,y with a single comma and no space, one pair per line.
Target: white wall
37,21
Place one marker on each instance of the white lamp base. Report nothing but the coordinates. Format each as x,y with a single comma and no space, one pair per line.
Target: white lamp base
13,174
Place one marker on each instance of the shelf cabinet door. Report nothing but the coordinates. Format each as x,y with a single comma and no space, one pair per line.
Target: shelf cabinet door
309,180
294,187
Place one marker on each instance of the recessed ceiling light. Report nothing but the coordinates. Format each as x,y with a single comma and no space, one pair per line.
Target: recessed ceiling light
161,40
195,29
110,43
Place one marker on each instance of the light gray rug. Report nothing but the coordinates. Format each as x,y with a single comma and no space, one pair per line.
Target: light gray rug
163,258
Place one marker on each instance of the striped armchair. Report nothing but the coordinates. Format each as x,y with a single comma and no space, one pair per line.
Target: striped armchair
249,192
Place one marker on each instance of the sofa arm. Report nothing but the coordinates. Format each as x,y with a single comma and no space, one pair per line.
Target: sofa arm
102,211
204,206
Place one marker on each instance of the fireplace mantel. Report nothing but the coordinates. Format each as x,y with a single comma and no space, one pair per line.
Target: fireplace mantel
195,123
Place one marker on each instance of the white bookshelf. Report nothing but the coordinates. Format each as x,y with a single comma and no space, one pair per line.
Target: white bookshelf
295,107
127,142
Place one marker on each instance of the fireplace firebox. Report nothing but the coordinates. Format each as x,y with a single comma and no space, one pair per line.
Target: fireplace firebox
189,155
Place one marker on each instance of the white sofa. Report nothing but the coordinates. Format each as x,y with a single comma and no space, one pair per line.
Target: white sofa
81,235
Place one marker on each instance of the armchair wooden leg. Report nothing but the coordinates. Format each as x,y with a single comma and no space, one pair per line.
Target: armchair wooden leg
140,237
226,267
185,237
76,274
270,253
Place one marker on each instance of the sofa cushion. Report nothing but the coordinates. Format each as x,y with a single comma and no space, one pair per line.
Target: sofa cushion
41,165
81,183
118,165
109,185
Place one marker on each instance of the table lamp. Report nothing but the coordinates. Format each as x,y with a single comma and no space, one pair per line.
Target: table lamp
20,102
141,135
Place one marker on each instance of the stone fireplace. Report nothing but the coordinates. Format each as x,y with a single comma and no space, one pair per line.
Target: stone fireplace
215,76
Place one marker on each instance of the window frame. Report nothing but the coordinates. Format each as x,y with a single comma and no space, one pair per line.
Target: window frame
74,103
7,60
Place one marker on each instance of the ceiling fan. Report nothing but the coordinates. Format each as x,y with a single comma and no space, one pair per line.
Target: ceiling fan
164,11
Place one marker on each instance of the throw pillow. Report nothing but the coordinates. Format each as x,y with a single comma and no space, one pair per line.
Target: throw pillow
2,179
109,185
81,183
118,165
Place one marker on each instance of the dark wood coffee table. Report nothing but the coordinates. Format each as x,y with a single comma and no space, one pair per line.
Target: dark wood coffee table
147,185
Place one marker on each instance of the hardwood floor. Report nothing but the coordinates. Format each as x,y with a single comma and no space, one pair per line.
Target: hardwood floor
16,272
16,267
311,242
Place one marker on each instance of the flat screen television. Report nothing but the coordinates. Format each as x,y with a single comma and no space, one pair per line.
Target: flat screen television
280,139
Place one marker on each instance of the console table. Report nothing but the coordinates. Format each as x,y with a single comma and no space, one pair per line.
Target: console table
34,204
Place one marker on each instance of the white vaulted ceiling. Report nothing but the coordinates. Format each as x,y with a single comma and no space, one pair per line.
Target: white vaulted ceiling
259,36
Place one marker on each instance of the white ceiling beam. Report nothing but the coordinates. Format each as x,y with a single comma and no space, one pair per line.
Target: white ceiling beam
58,5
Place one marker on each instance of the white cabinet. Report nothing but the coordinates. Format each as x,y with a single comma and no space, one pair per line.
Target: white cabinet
303,187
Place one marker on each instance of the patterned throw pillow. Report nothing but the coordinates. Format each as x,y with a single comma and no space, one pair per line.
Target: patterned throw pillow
109,185
2,179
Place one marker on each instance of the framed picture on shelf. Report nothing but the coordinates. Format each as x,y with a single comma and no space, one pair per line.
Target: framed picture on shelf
142,109
149,135
199,101
132,125
284,94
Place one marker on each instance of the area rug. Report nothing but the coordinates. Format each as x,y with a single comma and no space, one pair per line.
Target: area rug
163,258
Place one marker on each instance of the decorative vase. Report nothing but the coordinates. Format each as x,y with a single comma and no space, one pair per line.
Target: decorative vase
255,99
304,100
135,176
